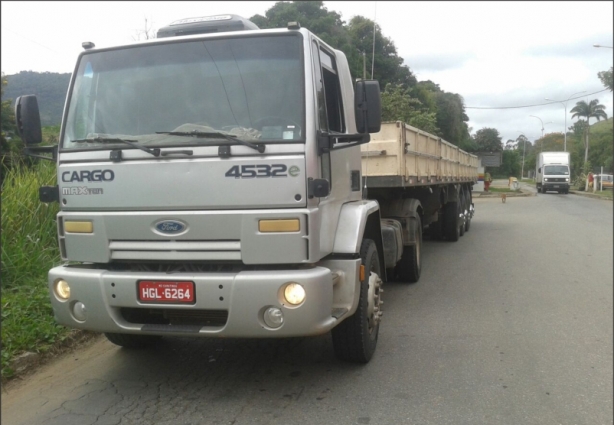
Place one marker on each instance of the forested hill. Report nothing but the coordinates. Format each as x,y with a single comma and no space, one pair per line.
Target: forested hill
49,87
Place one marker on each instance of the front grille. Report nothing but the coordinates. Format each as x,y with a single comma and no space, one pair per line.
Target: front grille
555,180
175,250
179,317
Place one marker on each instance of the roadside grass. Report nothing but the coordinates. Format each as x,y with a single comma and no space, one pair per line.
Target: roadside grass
29,249
606,193
502,190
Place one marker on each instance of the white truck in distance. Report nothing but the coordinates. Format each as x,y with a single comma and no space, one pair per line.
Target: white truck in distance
552,172
211,184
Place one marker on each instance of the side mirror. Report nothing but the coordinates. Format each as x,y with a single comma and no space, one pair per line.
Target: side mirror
28,119
368,106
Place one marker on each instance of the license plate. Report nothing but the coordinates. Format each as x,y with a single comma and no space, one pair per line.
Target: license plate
166,291
556,186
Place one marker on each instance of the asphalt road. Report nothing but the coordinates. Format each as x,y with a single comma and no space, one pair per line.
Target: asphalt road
510,325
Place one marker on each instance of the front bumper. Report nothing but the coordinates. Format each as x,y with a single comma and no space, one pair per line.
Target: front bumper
556,185
110,300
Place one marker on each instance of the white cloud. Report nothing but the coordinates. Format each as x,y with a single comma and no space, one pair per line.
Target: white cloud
491,53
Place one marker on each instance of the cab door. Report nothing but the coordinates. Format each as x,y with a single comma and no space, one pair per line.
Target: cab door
334,165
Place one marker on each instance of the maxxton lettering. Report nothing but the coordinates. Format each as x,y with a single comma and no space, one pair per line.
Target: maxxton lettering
81,191
90,176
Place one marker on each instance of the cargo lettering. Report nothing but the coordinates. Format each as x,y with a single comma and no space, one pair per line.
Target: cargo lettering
86,175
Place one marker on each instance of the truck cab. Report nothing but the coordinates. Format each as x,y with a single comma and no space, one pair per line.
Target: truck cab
201,180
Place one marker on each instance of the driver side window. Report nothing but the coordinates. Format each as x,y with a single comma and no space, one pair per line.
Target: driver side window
325,167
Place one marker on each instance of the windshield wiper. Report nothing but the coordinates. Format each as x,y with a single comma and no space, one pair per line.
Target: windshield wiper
205,134
154,152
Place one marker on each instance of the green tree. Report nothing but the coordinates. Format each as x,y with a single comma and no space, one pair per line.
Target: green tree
49,87
10,143
469,145
7,118
575,146
510,165
551,142
387,65
525,151
310,14
426,93
451,117
488,140
353,39
606,78
593,109
398,105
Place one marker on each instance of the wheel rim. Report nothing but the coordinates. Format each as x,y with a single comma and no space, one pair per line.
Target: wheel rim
418,249
374,302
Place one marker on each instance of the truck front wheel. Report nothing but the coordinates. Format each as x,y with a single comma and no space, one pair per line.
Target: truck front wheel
355,339
132,340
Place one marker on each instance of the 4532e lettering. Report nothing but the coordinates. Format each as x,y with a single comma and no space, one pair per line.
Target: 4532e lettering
260,171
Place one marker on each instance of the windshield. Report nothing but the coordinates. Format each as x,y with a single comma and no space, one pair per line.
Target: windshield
556,170
250,88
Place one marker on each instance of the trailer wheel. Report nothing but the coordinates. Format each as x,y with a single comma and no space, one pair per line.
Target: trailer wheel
436,229
408,269
468,209
355,339
461,212
452,228
132,340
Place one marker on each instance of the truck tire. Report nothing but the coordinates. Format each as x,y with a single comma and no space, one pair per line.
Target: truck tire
461,211
355,339
408,269
452,229
132,340
436,229
468,208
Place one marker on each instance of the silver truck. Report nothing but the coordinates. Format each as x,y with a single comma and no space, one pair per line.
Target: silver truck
211,183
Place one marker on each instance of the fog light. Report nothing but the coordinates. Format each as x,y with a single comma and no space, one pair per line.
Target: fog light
61,289
273,317
294,293
79,311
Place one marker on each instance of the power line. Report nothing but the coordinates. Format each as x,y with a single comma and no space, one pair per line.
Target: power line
32,41
530,106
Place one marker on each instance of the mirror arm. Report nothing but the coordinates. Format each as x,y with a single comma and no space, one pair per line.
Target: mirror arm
32,151
328,142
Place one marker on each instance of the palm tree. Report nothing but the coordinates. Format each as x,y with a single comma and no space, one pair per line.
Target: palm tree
593,109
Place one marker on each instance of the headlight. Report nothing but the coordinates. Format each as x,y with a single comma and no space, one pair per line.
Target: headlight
61,289
294,293
545,180
566,180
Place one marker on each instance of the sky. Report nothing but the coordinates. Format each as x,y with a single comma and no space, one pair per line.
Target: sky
499,56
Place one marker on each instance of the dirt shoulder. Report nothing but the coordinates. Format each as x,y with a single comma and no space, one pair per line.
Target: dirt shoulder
28,362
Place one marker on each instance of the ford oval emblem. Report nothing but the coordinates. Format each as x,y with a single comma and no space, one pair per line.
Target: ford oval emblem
170,227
